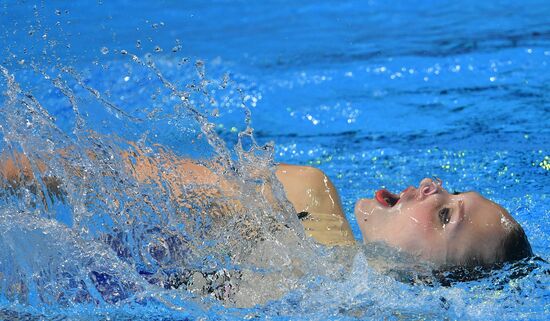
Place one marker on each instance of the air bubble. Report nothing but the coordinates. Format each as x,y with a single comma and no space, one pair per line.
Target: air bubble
104,50
157,25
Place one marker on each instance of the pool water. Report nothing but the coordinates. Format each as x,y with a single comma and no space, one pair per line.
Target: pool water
376,94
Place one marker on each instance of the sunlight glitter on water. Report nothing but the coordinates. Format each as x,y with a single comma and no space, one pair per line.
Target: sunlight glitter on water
371,100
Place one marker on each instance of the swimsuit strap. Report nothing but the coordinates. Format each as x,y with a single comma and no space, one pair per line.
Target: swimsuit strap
302,215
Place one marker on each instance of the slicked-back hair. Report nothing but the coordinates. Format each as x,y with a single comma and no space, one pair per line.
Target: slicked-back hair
515,245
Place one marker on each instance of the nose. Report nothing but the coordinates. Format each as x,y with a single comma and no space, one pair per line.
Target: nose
428,187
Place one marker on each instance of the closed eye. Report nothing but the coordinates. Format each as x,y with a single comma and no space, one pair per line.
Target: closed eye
444,216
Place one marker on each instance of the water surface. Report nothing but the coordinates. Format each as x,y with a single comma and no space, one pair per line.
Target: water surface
375,94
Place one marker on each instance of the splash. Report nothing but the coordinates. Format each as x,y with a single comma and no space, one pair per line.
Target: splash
101,222
107,206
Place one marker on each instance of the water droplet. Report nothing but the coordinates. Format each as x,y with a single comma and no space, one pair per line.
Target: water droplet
176,48
58,12
104,50
126,78
215,112
158,49
157,25
225,81
138,43
123,52
21,62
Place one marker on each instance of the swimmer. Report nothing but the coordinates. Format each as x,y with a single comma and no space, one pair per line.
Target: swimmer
448,229
427,222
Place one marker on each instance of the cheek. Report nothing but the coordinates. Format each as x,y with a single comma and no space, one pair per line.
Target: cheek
419,216
417,226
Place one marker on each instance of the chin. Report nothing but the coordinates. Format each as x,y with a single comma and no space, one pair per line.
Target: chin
363,208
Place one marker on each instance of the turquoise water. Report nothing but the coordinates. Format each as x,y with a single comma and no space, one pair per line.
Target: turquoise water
375,94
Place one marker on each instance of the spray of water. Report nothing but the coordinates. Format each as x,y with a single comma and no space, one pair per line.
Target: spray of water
103,210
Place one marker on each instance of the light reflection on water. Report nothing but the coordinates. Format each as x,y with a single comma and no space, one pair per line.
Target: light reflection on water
375,95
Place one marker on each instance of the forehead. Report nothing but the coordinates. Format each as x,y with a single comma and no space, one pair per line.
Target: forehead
482,229
485,213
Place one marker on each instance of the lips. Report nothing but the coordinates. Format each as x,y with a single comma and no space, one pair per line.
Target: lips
385,198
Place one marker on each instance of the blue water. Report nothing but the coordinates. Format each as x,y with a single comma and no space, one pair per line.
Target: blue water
376,94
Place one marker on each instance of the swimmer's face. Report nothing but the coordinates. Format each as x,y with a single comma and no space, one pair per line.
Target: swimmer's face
434,225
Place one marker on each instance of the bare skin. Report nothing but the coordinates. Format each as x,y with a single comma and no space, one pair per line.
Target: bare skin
307,188
426,222
434,225
310,190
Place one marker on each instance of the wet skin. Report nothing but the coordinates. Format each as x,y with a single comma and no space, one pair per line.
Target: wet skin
432,224
426,222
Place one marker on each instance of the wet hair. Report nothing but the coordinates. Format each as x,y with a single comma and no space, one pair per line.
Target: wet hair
514,252
514,246
514,260
500,273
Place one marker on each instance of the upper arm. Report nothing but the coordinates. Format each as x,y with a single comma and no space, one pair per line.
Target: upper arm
309,189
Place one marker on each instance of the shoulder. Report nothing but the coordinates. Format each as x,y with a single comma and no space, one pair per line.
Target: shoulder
306,174
308,187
